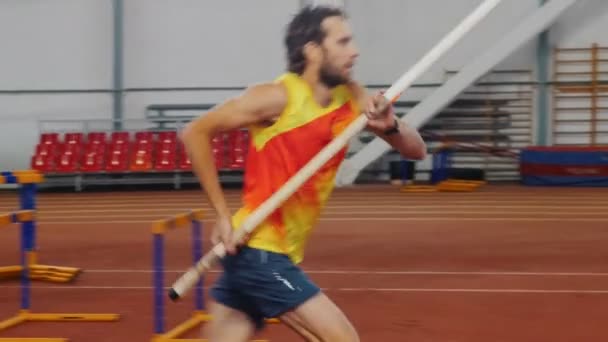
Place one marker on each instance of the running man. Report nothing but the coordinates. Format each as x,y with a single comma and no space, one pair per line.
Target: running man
290,119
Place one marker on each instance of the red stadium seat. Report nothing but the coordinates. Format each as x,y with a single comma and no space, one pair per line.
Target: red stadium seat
141,160
119,137
69,153
144,136
49,138
94,154
67,162
96,138
168,136
93,158
141,155
183,159
118,157
118,152
45,150
73,138
165,156
237,149
42,163
218,146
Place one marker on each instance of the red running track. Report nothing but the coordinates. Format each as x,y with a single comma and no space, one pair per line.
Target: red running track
501,264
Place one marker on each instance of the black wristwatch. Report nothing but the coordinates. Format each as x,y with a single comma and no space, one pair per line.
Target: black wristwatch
394,129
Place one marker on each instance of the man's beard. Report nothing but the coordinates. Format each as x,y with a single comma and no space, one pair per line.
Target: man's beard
331,78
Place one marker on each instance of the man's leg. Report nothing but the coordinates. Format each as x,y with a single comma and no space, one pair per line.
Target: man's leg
233,318
320,318
228,325
298,326
280,289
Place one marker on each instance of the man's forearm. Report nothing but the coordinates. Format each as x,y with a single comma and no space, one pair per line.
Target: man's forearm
203,165
407,141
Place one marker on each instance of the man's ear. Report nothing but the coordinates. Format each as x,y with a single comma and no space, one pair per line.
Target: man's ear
312,51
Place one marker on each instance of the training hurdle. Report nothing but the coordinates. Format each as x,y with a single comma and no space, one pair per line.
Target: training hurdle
27,181
25,315
159,229
441,179
199,316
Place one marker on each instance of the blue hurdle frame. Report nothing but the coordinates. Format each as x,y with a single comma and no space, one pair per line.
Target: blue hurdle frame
159,231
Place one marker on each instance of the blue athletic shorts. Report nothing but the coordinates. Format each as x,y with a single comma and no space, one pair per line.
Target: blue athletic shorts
261,284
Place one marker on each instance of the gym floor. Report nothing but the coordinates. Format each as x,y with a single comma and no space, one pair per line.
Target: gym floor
504,263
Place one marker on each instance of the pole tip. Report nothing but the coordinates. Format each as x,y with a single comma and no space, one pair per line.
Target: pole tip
173,295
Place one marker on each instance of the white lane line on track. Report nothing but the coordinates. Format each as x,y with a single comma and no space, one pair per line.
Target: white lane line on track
342,289
95,220
362,272
518,190
387,208
349,214
145,200
522,291
332,206
361,197
144,207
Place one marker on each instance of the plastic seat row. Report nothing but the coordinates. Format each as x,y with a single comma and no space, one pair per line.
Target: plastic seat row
145,151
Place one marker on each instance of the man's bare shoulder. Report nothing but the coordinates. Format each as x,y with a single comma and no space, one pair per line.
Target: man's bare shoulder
268,99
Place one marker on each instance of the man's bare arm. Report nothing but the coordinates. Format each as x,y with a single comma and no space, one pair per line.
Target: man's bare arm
407,141
259,103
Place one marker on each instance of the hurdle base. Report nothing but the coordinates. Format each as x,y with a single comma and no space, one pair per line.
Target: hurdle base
458,185
197,320
418,188
449,185
53,274
10,272
45,273
33,339
25,316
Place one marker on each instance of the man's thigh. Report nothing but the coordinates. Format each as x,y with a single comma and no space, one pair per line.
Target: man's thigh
227,325
322,320
229,298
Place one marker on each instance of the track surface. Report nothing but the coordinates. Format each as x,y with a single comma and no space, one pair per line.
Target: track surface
502,264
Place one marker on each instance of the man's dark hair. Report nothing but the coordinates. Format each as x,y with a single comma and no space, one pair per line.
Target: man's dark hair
306,27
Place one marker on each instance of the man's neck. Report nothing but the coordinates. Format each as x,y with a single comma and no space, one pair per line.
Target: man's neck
321,92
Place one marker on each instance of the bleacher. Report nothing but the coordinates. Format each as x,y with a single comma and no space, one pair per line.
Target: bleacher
134,155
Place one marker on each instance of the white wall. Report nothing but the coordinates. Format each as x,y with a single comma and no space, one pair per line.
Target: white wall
50,45
403,31
231,43
55,44
582,26
177,43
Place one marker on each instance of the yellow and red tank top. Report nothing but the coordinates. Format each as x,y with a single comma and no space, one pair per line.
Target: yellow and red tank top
279,151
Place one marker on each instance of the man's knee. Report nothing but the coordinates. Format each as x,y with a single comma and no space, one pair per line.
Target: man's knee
330,330
342,333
